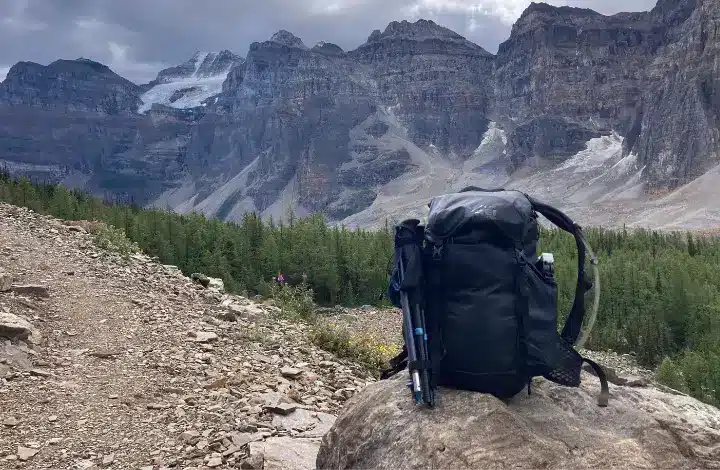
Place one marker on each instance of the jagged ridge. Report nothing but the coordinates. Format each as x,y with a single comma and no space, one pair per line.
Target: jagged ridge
324,130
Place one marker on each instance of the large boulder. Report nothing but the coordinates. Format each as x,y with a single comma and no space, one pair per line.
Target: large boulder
554,427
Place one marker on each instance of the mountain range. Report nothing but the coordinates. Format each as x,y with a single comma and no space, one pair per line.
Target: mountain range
615,119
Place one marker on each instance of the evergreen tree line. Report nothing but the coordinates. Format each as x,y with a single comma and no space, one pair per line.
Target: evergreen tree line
341,266
660,291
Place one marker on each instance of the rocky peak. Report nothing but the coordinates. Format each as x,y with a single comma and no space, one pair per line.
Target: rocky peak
544,8
77,68
542,16
674,12
427,36
75,85
288,39
200,65
420,30
425,33
328,49
218,63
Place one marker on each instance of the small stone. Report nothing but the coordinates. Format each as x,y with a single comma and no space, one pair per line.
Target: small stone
15,327
108,460
290,372
104,354
254,462
200,279
226,315
190,437
11,421
52,418
634,381
281,408
205,336
40,373
157,406
35,290
114,396
26,453
214,462
216,384
231,450
5,282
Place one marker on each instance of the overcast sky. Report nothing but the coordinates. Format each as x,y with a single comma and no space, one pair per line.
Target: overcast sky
137,38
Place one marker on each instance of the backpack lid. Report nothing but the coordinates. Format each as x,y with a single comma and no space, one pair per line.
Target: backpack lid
507,211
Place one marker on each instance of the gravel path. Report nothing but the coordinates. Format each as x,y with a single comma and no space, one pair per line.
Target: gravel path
131,365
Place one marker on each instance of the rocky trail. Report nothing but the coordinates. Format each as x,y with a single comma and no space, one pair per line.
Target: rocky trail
108,362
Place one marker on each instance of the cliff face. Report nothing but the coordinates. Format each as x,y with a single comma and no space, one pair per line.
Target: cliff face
582,70
678,135
438,83
649,76
417,106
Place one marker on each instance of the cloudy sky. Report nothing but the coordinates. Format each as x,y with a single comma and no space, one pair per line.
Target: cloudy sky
137,38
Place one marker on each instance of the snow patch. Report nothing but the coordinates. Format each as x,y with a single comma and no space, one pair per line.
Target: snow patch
597,152
199,59
492,147
196,91
185,92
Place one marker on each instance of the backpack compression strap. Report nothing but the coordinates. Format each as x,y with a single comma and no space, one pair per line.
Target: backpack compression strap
573,324
604,390
397,364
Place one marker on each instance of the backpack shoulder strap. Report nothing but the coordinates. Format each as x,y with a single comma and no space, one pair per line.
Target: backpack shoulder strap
573,323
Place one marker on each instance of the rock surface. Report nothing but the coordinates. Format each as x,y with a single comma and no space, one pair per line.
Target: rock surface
555,427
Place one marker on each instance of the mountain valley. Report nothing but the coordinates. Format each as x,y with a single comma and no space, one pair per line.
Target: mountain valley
615,119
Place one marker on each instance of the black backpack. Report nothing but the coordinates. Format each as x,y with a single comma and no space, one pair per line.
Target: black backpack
479,306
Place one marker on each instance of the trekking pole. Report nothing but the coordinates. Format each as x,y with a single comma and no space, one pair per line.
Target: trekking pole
421,335
416,340
409,330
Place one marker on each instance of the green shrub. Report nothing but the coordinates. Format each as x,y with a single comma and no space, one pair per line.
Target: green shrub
113,239
669,374
295,301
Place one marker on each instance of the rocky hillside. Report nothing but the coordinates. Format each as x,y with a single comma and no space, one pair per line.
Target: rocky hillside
107,362
614,118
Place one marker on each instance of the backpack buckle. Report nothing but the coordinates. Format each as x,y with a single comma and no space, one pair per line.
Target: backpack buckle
437,252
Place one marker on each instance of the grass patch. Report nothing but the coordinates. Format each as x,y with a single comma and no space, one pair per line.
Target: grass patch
364,349
367,350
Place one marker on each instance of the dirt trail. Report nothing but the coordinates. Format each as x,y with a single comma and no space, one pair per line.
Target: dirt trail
135,366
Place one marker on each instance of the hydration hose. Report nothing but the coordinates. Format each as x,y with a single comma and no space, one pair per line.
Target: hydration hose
585,332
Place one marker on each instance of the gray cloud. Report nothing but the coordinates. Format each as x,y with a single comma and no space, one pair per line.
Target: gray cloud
137,38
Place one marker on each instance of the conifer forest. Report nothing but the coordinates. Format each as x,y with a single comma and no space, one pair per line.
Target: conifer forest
660,291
